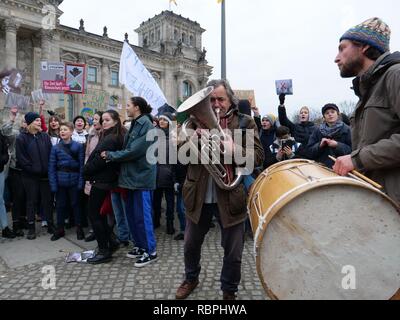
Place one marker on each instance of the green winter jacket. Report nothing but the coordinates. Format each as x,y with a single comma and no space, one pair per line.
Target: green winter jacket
376,124
136,172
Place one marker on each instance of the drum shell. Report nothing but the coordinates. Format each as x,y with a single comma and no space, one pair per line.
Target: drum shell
279,186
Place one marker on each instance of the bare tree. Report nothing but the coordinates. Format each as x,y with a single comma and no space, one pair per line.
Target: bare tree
347,107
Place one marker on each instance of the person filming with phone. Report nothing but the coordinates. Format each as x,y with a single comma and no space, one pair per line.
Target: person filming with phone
285,146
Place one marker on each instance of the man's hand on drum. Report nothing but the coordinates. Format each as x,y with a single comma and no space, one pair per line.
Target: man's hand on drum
343,165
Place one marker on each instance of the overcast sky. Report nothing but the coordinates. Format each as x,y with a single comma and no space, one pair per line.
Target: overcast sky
266,40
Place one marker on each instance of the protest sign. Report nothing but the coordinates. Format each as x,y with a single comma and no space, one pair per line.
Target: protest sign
284,87
16,100
39,95
246,95
10,81
52,76
75,78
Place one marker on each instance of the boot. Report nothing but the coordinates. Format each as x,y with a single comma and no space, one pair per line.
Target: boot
24,223
60,233
31,232
113,243
91,237
17,227
170,227
8,234
51,229
80,234
102,256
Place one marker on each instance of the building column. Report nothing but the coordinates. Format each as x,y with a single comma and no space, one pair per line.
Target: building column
47,39
105,74
11,28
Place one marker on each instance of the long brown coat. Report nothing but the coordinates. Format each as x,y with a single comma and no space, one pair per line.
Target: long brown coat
232,204
376,124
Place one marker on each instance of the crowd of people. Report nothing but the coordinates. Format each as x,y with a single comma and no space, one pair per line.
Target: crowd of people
103,173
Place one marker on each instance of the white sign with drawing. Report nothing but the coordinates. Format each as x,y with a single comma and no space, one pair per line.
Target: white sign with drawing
284,87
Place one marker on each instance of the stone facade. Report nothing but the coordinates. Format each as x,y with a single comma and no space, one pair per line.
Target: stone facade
170,46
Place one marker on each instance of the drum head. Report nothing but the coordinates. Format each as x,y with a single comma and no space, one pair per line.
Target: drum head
332,243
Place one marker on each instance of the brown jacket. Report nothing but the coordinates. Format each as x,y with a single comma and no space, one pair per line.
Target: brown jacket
232,204
376,124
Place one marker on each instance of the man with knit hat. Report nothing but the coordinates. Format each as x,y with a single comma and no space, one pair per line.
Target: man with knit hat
364,53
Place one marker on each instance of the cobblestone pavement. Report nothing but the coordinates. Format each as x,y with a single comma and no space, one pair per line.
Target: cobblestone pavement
119,280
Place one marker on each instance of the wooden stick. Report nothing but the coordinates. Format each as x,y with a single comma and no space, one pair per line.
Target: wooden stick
361,176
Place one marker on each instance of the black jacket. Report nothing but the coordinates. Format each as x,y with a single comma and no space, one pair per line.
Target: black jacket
102,173
4,156
33,153
322,155
301,132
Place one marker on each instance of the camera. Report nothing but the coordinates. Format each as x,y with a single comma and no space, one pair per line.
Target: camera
287,143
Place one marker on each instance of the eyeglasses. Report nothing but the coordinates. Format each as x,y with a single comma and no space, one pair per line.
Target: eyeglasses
220,99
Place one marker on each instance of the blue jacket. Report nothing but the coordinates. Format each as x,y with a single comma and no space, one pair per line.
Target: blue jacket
33,153
66,170
136,172
322,155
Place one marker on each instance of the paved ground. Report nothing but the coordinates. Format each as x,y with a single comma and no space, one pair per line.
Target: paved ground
22,263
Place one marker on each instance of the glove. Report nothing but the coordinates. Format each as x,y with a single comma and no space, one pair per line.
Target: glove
282,99
176,187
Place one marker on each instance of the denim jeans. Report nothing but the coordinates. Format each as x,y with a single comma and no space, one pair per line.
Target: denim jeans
118,205
3,211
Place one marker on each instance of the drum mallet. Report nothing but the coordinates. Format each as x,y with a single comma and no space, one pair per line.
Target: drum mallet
356,175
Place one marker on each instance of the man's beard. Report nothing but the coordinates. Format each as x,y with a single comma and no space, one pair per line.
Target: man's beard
351,69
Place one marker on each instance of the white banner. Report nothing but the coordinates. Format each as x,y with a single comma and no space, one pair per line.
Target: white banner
138,80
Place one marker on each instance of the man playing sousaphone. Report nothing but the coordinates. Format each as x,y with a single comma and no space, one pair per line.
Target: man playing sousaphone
204,197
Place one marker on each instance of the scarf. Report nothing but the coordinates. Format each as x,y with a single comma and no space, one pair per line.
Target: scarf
331,132
224,123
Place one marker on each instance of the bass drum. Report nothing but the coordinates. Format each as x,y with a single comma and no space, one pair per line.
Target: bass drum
319,236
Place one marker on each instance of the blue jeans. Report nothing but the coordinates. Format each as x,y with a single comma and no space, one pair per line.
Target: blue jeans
118,205
180,208
3,211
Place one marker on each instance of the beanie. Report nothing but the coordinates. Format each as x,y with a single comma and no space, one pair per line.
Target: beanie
270,119
30,117
373,32
167,116
80,117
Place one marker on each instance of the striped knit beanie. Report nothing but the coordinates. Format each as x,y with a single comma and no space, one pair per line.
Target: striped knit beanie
373,32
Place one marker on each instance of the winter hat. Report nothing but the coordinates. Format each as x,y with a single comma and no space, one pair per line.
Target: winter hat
373,32
167,116
80,117
270,119
245,107
30,117
330,106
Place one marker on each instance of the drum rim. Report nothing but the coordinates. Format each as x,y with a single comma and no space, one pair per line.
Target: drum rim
286,198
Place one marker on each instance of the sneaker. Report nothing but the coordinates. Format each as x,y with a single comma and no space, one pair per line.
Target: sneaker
185,289
136,253
44,224
8,234
145,260
31,233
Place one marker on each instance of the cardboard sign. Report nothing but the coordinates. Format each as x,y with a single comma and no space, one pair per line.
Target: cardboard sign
284,87
52,75
10,81
23,103
39,95
75,75
246,95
